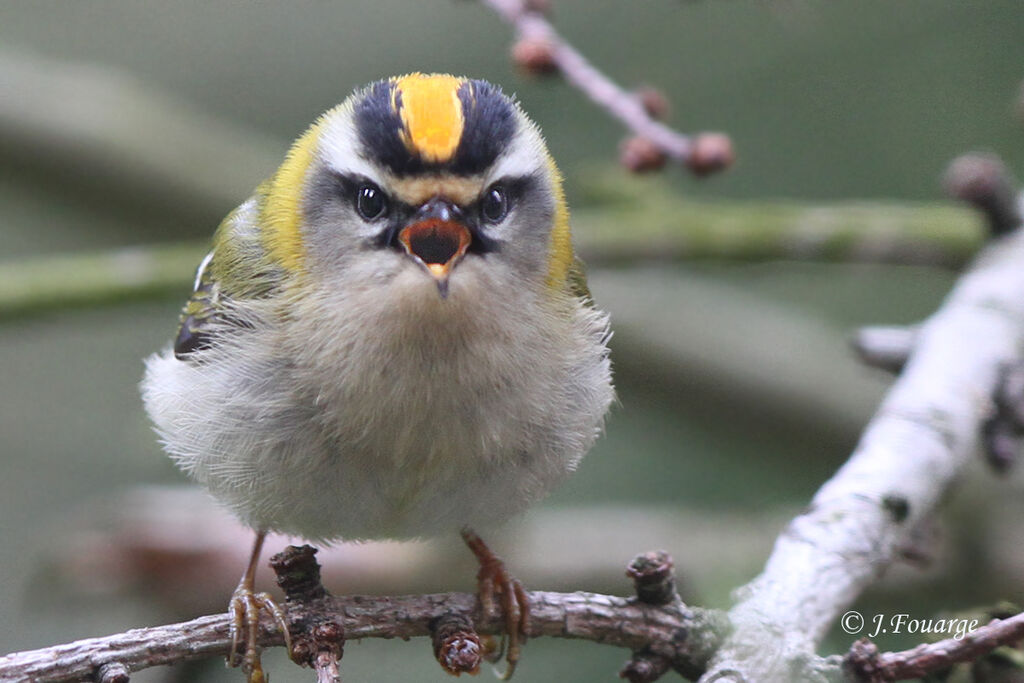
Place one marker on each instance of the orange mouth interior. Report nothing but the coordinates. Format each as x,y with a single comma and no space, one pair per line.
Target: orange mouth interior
437,243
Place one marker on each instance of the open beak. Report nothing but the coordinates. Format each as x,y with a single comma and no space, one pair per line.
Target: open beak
437,238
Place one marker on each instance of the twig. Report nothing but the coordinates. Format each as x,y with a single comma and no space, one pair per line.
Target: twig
983,181
95,279
884,347
654,579
666,226
865,664
703,154
685,636
681,231
861,518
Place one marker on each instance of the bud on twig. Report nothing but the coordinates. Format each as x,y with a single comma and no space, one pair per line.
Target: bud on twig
541,50
113,672
644,667
654,578
712,152
535,56
983,181
324,645
640,155
861,662
457,647
654,102
538,6
298,573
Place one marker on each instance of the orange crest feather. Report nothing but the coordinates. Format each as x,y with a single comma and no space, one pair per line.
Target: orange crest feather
431,114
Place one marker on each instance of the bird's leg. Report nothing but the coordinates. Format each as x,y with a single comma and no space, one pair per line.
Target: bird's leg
493,577
244,608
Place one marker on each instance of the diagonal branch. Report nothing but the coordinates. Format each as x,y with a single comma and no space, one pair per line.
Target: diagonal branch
923,436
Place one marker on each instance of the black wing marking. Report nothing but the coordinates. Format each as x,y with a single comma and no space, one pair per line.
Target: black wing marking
199,312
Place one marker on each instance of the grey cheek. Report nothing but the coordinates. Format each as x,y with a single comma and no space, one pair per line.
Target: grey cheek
535,221
344,251
338,241
322,196
332,238
523,240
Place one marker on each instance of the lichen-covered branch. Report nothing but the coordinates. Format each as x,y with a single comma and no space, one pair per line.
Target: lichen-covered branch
924,434
685,636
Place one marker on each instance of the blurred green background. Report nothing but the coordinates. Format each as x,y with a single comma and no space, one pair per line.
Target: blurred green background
142,122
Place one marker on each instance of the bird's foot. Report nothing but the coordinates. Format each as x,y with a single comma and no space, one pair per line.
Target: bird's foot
494,579
244,609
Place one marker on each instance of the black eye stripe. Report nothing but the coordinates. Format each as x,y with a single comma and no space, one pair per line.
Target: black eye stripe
348,187
514,187
344,186
520,185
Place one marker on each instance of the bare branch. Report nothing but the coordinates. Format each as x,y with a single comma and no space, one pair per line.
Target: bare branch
861,518
542,49
864,663
685,636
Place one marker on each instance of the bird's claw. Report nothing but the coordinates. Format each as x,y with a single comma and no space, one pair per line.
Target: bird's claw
245,608
494,579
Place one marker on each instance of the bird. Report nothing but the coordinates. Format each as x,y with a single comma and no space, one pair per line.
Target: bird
392,338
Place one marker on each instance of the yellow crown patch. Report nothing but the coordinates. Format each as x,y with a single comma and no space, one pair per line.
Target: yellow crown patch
431,113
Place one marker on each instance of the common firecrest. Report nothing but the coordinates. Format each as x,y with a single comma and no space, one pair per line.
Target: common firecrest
391,338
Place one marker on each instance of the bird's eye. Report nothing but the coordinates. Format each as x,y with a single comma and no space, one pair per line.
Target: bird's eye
371,202
494,206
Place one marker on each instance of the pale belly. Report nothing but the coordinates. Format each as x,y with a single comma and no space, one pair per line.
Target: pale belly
399,444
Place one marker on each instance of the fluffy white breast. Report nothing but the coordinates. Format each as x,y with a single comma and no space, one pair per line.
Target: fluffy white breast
389,411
